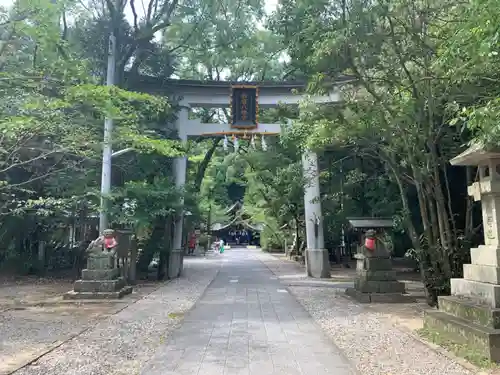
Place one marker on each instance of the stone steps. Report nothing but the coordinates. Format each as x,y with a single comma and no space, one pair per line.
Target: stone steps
379,286
484,339
92,275
470,310
98,295
97,286
379,297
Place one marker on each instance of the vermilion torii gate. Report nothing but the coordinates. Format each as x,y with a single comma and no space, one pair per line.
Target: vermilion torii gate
245,99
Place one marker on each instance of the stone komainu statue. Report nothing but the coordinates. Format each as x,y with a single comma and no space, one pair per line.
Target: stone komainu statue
120,246
95,247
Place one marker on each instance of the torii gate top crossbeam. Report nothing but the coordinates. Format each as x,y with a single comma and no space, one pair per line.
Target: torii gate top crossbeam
216,94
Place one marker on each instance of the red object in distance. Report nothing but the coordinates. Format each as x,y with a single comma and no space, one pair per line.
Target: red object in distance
370,243
109,243
192,241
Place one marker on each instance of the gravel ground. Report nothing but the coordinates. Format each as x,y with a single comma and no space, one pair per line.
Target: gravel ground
122,343
27,334
373,344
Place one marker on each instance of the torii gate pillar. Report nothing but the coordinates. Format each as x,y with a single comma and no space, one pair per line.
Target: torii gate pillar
317,261
180,170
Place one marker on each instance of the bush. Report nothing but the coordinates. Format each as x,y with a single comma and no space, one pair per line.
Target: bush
270,240
203,240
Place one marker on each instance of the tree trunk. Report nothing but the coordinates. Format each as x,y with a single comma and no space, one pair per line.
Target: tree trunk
424,213
204,164
154,244
424,261
469,222
434,219
445,232
297,236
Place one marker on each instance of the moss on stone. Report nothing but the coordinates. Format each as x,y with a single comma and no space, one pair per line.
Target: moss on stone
479,314
175,315
462,350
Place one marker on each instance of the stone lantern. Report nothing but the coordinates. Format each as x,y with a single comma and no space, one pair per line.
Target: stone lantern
375,279
471,315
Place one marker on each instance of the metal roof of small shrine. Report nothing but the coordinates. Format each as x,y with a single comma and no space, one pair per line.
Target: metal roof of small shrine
370,222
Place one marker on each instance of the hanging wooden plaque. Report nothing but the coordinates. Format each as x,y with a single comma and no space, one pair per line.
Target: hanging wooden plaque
244,106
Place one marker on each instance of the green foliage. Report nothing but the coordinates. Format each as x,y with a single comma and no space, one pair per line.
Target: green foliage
51,132
274,194
224,42
210,200
139,203
418,69
468,57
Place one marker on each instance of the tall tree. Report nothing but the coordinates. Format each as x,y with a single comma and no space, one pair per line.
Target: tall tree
397,111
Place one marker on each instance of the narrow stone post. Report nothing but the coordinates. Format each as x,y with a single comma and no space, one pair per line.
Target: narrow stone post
317,262
175,263
180,168
133,260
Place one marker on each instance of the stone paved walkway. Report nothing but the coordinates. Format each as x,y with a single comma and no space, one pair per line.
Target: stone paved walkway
246,323
367,337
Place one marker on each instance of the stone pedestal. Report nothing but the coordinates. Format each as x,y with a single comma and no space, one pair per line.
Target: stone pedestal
317,263
101,280
471,315
376,280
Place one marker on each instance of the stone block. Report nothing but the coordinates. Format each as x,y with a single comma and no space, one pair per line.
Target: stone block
379,297
100,274
101,262
392,287
470,310
98,295
366,286
317,263
372,286
376,275
486,255
357,295
378,264
485,293
482,339
99,285
360,264
392,298
482,273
